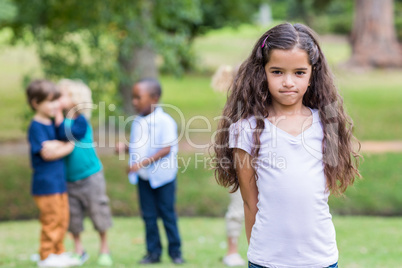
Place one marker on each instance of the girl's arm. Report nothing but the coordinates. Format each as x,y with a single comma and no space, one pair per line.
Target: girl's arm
158,155
54,149
248,188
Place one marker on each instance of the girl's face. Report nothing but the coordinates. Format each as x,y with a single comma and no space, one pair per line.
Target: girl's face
288,73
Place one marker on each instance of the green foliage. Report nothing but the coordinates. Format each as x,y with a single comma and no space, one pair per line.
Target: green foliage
327,16
398,26
371,98
95,41
398,19
7,11
91,40
217,14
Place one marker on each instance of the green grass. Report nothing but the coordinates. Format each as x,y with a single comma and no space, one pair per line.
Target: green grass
378,193
380,190
373,101
227,45
369,242
14,64
197,191
196,103
362,242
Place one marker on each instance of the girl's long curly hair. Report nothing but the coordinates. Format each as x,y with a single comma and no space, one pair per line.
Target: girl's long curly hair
249,96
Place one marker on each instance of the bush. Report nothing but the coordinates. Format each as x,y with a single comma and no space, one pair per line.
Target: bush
341,24
398,27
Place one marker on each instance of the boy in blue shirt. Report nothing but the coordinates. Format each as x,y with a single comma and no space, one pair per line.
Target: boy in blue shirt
48,180
153,165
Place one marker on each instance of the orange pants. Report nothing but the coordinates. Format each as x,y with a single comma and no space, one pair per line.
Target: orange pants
54,218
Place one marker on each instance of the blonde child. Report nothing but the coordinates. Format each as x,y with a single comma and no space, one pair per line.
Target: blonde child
48,179
84,172
286,142
234,218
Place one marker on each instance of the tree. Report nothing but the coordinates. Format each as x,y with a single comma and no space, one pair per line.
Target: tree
110,44
373,38
107,44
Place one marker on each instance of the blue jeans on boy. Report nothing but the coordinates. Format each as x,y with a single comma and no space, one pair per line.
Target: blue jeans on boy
159,202
252,265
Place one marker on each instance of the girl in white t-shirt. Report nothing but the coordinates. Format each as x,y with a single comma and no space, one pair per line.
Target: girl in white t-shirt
286,141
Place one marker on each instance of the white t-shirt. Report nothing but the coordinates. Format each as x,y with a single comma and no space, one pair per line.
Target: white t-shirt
293,226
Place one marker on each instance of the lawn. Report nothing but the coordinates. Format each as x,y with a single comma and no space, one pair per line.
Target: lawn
362,242
378,193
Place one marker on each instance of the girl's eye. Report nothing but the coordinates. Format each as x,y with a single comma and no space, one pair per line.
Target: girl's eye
276,72
300,73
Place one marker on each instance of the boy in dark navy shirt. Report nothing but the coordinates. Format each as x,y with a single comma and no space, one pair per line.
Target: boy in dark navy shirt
48,178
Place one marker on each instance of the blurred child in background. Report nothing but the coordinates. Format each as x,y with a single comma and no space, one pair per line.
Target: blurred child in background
84,172
153,165
48,179
234,218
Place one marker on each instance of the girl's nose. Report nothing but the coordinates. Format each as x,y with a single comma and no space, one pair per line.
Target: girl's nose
288,82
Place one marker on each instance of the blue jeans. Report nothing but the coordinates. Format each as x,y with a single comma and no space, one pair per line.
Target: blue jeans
252,265
159,202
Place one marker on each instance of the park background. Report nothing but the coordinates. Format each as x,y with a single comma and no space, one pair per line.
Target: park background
109,46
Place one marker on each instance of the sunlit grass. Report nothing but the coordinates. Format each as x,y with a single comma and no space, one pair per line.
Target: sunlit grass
362,242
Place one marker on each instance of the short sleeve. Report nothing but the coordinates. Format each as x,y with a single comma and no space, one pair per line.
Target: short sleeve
36,136
241,135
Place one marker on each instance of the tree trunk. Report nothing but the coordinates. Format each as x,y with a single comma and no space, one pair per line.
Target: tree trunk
373,39
138,60
141,65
